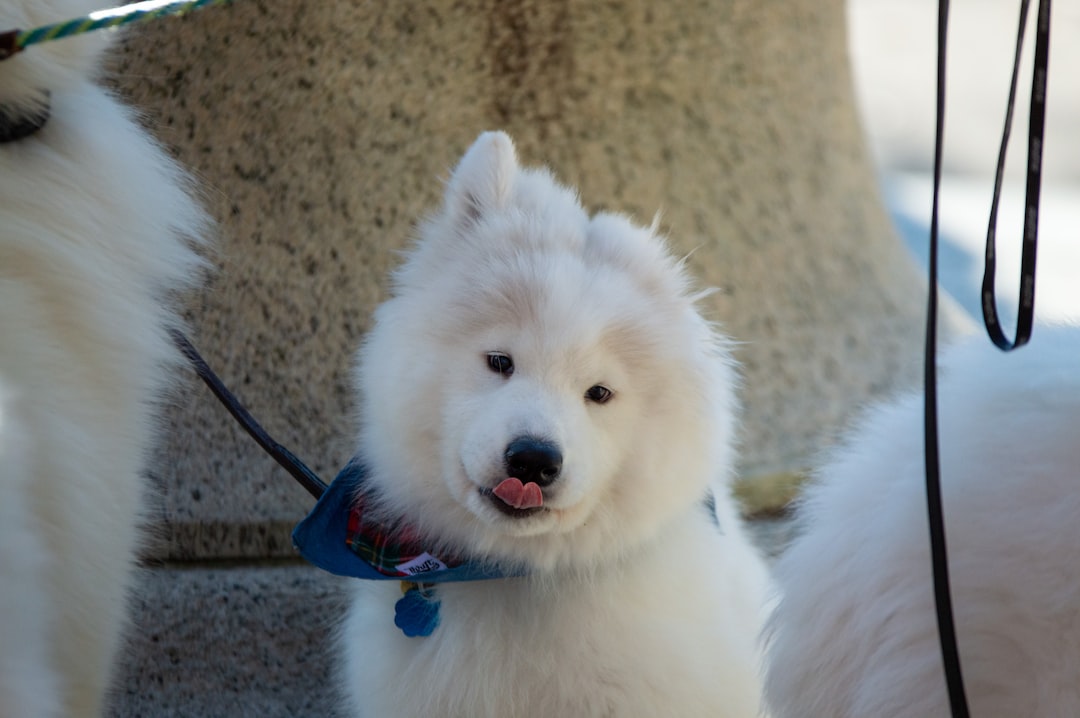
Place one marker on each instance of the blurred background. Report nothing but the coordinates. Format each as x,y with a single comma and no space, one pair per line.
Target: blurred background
893,47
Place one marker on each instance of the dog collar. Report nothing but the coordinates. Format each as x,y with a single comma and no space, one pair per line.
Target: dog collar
337,537
19,124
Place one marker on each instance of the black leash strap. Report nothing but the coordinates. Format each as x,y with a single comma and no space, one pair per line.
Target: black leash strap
299,471
1036,123
1025,315
950,654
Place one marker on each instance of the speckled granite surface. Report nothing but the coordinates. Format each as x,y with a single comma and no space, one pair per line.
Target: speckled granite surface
229,643
320,132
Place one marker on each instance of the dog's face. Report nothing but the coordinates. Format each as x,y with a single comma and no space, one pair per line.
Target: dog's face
540,389
535,416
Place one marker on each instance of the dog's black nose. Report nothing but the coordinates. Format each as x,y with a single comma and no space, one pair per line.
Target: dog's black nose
533,460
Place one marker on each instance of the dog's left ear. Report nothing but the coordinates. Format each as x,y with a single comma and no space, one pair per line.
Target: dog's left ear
483,180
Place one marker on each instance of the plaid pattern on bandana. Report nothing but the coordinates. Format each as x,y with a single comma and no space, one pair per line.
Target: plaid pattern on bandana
337,537
393,551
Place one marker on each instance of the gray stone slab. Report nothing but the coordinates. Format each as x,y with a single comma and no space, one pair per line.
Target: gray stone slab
229,643
208,517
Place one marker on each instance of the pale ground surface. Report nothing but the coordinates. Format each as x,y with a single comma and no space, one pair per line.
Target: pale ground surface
260,635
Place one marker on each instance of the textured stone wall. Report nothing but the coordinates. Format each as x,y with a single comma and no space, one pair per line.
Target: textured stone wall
321,132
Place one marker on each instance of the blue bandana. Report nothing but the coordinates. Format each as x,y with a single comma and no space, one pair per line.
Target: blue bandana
336,537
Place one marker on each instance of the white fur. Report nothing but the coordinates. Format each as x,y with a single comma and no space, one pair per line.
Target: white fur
635,605
95,232
855,633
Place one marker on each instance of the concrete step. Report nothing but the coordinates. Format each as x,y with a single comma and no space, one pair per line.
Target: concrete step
231,641
218,495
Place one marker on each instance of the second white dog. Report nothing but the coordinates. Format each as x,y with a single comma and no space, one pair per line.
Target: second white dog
96,227
855,634
541,393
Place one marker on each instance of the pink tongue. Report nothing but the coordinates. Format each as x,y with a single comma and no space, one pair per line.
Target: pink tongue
519,496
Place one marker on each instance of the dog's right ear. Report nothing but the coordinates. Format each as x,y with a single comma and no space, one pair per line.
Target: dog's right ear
484,179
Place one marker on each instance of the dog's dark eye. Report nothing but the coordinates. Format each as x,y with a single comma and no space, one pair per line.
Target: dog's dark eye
500,363
598,394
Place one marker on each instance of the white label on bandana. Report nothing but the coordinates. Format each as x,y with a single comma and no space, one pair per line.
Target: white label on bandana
423,562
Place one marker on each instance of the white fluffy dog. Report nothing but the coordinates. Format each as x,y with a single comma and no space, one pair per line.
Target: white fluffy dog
855,633
95,224
541,393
